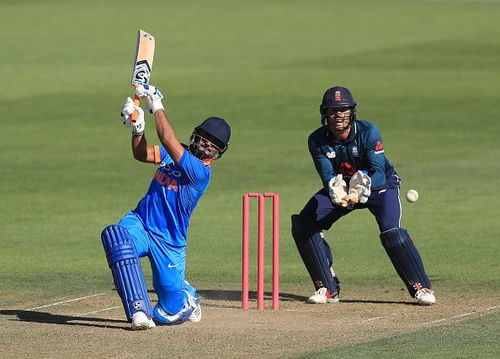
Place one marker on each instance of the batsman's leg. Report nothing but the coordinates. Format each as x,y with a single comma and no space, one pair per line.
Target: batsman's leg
127,271
178,300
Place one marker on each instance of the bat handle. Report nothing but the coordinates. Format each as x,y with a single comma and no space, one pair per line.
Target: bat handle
134,115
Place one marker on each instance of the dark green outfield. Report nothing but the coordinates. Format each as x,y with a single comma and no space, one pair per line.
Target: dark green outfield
469,339
426,72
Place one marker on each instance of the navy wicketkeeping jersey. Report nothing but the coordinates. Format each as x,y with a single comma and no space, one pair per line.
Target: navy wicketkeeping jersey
363,150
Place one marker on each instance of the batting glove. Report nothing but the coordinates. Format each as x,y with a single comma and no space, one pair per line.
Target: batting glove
359,188
337,188
153,95
128,109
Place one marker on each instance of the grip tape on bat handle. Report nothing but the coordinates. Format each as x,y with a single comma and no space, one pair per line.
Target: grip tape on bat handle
134,115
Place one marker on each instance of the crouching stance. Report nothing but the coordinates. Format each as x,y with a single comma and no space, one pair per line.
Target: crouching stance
157,227
349,157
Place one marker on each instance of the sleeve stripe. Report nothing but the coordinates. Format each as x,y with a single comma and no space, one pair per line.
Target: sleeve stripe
157,157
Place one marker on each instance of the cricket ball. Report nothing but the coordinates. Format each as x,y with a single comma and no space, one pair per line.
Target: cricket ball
412,196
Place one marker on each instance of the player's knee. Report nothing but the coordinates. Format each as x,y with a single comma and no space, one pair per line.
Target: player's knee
296,225
302,227
117,244
394,237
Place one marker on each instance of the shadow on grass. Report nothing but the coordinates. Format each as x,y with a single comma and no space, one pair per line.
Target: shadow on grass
49,318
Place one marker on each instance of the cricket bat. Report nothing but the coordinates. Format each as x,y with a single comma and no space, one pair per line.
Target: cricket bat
143,63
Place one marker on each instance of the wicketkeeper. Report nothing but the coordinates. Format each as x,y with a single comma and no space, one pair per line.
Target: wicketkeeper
349,157
157,227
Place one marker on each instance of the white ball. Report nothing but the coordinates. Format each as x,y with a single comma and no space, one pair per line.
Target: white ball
412,196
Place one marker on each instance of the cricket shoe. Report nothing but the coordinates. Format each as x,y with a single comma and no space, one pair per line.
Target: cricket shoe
425,297
194,302
322,296
141,321
178,318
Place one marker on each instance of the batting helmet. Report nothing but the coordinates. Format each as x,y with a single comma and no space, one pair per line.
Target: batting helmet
337,98
218,131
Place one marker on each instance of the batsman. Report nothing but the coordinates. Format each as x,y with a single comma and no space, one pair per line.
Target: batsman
349,157
157,227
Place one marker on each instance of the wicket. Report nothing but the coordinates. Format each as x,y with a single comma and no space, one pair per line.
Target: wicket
260,248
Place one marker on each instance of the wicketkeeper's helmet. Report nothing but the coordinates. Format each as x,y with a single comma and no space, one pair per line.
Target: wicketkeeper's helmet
337,98
214,129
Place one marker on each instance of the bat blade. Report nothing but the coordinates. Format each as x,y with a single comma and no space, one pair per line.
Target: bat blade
143,63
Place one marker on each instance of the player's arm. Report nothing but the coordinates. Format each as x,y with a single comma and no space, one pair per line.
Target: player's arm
334,184
164,129
140,149
375,158
167,136
144,153
322,164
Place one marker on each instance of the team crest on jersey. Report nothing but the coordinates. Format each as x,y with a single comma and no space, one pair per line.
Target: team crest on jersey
338,96
331,154
355,152
379,147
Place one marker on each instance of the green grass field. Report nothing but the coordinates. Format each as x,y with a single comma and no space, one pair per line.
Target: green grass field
426,72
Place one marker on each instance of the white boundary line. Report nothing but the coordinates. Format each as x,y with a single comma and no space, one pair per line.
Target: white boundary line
462,315
458,316
67,301
439,320
371,319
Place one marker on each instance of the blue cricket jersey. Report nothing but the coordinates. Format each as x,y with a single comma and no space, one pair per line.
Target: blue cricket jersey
175,190
363,150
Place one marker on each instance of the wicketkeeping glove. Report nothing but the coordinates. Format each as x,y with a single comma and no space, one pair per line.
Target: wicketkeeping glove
359,188
337,189
152,94
139,125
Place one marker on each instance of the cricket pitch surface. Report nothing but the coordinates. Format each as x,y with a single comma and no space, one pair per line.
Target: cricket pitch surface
93,325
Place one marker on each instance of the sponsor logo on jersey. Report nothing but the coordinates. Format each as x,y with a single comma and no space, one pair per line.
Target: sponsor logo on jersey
331,154
169,169
379,147
167,176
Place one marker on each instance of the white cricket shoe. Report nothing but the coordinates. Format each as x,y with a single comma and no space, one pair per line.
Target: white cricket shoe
194,302
425,297
322,296
141,321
